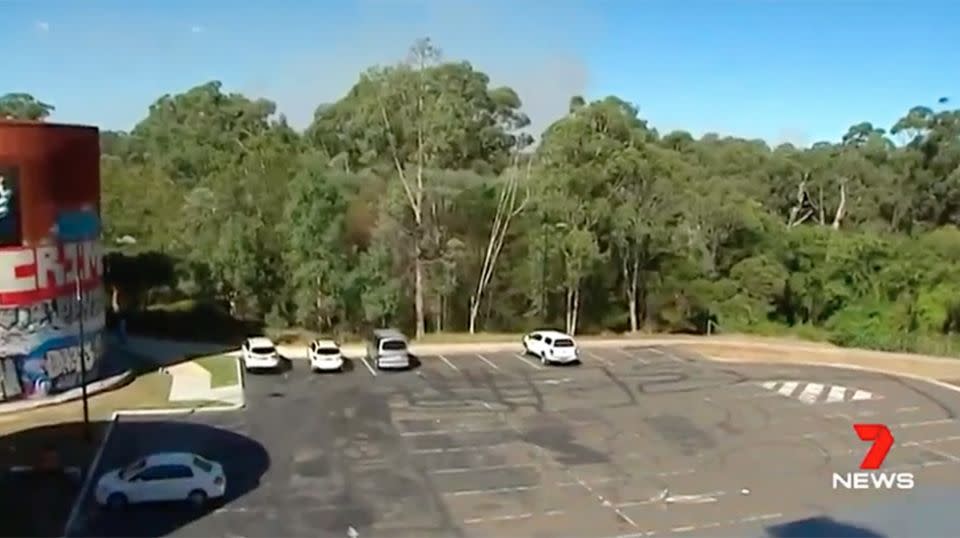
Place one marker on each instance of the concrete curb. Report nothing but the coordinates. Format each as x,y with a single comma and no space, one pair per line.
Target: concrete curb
173,411
96,387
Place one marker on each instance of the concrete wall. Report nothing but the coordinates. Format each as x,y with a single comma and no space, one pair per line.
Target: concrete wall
49,239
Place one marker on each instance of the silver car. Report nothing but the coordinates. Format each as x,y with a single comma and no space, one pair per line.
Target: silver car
387,348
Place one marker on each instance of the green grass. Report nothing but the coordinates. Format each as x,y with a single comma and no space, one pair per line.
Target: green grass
222,368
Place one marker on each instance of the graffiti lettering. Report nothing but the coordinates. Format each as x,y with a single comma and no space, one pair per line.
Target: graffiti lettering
33,274
59,312
65,361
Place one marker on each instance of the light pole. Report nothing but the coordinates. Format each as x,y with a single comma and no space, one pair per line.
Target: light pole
83,353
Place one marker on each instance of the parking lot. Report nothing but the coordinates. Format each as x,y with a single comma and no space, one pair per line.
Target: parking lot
641,441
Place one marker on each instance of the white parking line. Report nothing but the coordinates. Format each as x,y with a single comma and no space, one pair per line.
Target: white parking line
457,470
457,449
484,359
526,361
597,357
925,423
367,364
510,517
448,363
940,453
665,497
631,356
491,491
419,433
666,354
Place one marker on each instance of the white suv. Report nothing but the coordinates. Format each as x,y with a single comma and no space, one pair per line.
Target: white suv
325,356
551,347
259,353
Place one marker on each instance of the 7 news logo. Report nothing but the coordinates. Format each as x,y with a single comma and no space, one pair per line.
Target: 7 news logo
869,476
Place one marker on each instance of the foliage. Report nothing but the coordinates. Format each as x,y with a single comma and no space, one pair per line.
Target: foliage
386,210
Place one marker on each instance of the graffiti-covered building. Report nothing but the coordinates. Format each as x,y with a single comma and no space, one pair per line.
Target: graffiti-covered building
49,240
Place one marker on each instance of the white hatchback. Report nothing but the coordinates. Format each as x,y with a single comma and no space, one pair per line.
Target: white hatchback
551,347
325,356
259,353
163,476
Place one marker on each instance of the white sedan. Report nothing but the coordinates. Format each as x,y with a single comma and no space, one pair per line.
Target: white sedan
325,356
164,476
551,347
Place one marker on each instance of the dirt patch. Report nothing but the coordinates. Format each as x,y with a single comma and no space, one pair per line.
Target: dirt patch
767,352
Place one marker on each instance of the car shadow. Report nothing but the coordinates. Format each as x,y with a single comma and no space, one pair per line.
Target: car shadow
244,461
820,527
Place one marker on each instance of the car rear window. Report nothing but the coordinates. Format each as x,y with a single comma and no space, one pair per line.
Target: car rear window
563,342
263,350
202,464
327,351
393,345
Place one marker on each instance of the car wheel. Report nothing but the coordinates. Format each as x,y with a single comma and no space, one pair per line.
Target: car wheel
197,498
116,501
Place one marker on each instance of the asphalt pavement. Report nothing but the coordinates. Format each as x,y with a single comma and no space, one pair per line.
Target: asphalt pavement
637,441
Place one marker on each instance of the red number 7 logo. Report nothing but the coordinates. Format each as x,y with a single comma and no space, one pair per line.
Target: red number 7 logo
882,442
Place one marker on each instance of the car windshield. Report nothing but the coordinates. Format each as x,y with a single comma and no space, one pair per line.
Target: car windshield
203,464
132,469
394,345
563,342
327,351
263,350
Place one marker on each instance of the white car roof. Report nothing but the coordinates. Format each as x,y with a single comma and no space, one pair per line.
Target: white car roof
553,334
260,341
164,458
325,343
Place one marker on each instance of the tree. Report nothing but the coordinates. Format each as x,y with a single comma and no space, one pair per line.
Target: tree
23,106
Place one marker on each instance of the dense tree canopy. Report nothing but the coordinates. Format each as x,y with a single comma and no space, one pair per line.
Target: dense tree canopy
417,200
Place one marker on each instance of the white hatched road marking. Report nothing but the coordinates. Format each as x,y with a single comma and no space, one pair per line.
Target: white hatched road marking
813,393
788,388
810,393
486,360
836,394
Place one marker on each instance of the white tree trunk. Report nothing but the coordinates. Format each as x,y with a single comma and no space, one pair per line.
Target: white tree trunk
506,210
474,310
631,277
576,312
418,289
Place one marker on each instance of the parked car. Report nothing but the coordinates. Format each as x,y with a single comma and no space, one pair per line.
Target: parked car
325,356
387,348
163,476
551,347
259,353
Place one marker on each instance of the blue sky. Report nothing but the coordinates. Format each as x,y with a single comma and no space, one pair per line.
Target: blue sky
780,70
